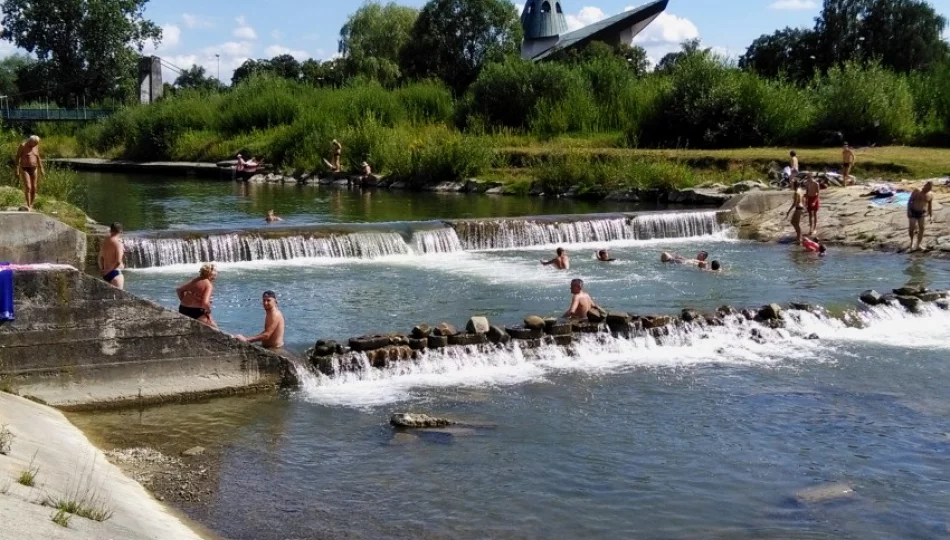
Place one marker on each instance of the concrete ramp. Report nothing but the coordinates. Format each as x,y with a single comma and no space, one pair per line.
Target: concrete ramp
31,237
78,342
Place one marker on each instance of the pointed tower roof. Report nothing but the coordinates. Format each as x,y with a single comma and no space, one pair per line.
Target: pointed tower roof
543,19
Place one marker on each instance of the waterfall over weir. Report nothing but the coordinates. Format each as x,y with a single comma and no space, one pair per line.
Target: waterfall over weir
480,235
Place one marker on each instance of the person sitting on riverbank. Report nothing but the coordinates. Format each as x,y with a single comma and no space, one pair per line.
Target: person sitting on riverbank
247,167
919,207
29,169
581,303
604,256
271,217
813,246
561,262
272,338
111,257
195,296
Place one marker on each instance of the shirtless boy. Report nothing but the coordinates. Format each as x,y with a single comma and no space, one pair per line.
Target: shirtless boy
796,210
29,168
812,203
195,296
919,207
111,257
272,338
581,304
561,262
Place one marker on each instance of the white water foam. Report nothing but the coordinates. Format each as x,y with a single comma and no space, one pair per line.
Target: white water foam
603,354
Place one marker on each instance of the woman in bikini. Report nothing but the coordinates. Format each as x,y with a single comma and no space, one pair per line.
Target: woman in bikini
798,207
195,296
29,167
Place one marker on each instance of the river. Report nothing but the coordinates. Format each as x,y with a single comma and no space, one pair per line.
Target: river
707,435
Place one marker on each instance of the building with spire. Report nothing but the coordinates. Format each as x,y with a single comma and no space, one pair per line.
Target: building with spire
546,32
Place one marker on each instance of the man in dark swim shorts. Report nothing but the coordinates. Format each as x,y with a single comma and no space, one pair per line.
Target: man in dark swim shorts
111,257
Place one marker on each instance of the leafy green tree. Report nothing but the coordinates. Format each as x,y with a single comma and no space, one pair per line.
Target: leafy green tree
90,47
9,74
789,52
285,66
248,69
324,74
453,39
196,78
688,49
634,57
372,39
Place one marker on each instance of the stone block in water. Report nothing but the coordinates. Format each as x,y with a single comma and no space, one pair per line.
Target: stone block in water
418,344
932,296
824,493
558,327
585,327
871,298
801,306
534,322
597,314
909,291
363,344
498,336
911,303
658,321
523,333
468,339
691,315
410,420
562,340
420,331
445,330
725,311
477,325
398,341
438,342
770,312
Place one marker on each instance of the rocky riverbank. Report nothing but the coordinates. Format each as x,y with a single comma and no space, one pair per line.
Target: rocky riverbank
360,353
848,218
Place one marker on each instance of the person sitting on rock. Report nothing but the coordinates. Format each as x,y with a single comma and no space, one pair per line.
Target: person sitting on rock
272,338
604,256
561,262
581,303
271,217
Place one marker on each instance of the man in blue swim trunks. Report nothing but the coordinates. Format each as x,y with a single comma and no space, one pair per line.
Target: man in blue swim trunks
111,255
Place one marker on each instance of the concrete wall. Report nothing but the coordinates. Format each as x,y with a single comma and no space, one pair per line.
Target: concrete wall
30,237
77,342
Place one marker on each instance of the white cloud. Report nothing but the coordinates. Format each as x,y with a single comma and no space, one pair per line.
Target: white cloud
586,16
231,48
794,5
277,50
244,30
171,38
665,35
196,21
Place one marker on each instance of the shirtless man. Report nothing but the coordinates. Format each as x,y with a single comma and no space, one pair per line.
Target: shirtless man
271,217
847,159
29,168
111,257
604,256
195,296
561,262
272,338
919,207
793,164
336,150
812,203
581,304
798,207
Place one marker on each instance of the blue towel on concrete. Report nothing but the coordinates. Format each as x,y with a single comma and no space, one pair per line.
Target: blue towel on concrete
6,293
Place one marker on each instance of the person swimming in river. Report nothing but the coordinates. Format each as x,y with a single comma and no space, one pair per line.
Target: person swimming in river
604,256
271,217
673,258
581,302
814,246
195,296
561,262
272,338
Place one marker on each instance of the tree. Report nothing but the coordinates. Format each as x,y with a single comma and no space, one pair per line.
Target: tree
248,69
372,39
687,49
10,68
90,47
325,74
634,57
196,78
453,39
790,52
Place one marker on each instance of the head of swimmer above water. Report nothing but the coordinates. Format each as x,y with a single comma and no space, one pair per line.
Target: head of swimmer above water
577,285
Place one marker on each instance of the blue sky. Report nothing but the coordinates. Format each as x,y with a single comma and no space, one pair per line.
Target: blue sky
239,29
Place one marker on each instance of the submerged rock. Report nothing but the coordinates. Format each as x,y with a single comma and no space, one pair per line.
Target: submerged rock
690,315
909,291
911,303
194,451
871,298
801,306
824,493
478,325
410,420
932,296
400,439
770,312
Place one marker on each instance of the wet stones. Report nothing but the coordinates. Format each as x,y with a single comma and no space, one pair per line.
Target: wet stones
525,333
800,306
943,304
421,331
932,296
871,298
326,348
771,312
910,303
597,314
659,321
725,311
909,291
414,421
437,342
418,344
585,327
558,327
498,336
445,330
468,339
533,322
477,325
363,344
690,315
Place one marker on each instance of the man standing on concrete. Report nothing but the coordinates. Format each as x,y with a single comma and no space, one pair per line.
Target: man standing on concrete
581,303
272,338
919,207
111,257
847,158
29,168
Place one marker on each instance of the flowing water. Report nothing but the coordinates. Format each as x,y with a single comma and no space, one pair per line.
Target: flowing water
706,434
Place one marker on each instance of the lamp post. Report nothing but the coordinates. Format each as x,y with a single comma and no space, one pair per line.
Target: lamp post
218,57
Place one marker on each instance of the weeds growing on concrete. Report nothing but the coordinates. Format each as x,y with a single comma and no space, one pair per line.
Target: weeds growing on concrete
61,518
28,477
6,439
82,499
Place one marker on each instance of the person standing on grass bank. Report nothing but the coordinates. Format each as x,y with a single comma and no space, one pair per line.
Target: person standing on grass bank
111,257
920,205
812,203
195,296
272,338
29,168
561,262
848,159
796,210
